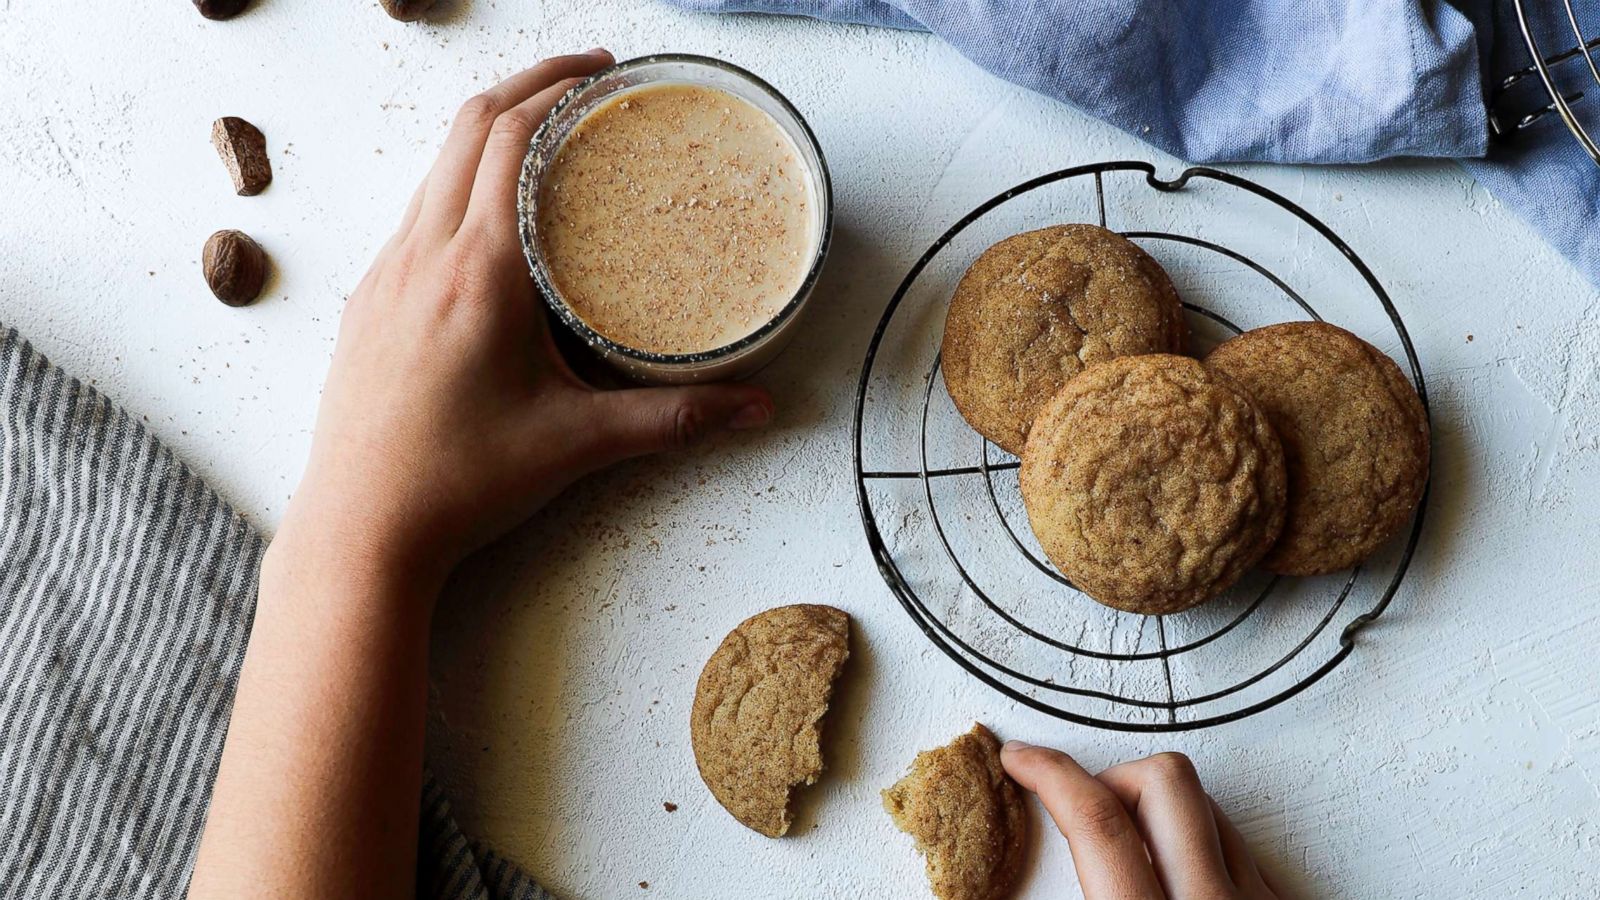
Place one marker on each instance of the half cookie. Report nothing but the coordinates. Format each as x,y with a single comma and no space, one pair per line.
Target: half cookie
967,817
756,722
1355,439
1036,308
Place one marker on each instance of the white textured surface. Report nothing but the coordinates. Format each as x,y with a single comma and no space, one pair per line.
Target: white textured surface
1457,753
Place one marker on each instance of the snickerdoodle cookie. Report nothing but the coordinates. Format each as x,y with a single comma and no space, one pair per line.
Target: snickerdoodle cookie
967,817
1354,433
1152,483
1036,308
757,716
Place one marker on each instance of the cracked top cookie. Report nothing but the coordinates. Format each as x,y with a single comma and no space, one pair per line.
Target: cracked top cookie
967,816
1354,433
1153,484
1036,308
757,716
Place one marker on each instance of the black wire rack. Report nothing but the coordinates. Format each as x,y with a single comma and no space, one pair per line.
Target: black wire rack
1509,109
950,540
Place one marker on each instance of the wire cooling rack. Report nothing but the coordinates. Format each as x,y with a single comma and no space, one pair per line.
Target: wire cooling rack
942,511
1509,111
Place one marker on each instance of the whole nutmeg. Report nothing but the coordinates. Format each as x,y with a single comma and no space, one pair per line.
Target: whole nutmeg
406,10
220,9
235,267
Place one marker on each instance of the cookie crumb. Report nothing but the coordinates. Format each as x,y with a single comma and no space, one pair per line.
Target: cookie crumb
669,806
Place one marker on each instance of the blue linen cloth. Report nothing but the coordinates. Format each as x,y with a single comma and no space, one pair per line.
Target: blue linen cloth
1313,81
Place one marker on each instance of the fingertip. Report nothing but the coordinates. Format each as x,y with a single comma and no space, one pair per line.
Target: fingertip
755,414
744,406
1022,750
1019,758
1012,752
1032,765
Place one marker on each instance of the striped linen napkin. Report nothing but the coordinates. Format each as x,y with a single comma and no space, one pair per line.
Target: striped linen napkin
127,589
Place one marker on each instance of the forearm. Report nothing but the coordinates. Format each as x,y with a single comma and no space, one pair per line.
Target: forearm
317,793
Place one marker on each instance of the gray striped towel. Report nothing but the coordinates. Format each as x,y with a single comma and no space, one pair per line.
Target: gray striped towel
127,588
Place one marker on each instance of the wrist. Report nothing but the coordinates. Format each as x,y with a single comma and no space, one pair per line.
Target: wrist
363,549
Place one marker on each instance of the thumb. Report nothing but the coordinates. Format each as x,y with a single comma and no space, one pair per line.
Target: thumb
641,421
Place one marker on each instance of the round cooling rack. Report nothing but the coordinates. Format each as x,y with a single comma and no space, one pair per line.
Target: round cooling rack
941,507
1510,109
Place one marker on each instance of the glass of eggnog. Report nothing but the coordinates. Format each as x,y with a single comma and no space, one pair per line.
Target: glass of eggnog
675,211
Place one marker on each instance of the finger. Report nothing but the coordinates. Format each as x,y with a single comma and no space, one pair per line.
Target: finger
494,192
407,219
1106,848
1174,814
450,181
1236,854
640,421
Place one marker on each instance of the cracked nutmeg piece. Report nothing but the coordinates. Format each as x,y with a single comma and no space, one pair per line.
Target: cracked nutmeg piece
406,10
1037,307
756,725
235,267
243,149
220,9
967,817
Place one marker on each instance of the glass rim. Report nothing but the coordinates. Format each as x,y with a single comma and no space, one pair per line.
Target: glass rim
527,204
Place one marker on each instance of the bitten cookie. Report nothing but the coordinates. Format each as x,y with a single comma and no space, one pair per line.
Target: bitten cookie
1036,308
1153,484
1354,433
967,817
756,722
